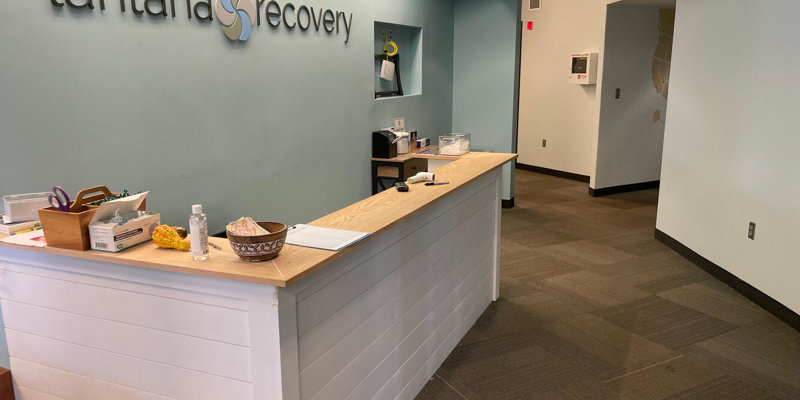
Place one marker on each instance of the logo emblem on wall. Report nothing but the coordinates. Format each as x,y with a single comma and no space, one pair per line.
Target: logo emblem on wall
236,17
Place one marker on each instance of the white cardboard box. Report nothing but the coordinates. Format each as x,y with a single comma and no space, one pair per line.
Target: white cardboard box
105,235
112,237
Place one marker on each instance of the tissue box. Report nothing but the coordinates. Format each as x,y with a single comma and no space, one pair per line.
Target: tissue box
402,142
25,207
113,237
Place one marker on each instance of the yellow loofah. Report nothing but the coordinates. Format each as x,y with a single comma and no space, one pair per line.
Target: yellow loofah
167,237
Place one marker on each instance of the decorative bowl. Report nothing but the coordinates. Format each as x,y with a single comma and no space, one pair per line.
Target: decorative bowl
262,247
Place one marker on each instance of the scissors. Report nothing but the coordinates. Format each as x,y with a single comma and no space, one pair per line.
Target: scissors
59,199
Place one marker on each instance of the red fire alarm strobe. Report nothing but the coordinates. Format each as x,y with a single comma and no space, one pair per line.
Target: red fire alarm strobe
530,25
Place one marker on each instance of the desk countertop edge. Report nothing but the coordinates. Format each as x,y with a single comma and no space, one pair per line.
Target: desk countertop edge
316,259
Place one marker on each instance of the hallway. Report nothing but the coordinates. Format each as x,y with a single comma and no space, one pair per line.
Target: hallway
593,307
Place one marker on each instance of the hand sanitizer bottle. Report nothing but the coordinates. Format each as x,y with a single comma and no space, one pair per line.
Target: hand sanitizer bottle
198,231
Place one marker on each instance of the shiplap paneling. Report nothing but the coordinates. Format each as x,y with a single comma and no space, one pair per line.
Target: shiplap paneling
323,277
398,312
194,288
437,357
313,310
162,313
433,329
266,350
443,299
24,393
455,243
124,370
181,351
406,367
55,382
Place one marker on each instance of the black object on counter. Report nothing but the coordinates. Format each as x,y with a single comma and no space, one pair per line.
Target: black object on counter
384,144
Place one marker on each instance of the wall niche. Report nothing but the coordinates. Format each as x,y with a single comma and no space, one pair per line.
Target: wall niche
407,77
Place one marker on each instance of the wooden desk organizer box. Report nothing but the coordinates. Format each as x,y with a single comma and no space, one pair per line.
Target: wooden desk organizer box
70,230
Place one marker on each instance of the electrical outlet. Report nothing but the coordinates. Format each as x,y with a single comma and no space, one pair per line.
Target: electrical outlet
618,93
544,142
751,232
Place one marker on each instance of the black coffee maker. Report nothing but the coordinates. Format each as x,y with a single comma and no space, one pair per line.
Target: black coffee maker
384,144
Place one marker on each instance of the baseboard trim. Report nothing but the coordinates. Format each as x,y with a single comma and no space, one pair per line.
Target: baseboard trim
624,188
766,302
508,203
554,172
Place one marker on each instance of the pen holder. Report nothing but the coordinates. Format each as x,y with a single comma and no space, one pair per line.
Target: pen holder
70,230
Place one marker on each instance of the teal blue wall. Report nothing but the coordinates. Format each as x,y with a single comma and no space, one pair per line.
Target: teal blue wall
485,48
277,128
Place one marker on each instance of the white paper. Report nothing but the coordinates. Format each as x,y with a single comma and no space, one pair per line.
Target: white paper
400,124
128,204
322,238
30,239
387,70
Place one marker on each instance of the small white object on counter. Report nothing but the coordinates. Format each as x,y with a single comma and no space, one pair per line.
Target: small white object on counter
402,142
422,177
24,207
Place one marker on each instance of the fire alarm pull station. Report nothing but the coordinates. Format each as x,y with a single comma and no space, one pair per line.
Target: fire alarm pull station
583,68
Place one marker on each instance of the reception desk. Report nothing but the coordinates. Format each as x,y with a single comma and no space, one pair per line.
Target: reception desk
373,321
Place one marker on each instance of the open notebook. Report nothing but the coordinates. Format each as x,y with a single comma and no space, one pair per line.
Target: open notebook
322,238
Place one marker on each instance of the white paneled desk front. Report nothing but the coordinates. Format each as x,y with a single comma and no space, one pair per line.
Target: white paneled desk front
373,321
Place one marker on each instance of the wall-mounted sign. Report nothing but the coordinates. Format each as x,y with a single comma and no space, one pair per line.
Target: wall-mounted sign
237,17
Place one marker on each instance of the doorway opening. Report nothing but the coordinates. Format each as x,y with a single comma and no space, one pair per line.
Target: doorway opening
633,105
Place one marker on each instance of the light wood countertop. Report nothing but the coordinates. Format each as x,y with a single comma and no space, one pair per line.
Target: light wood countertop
418,153
374,215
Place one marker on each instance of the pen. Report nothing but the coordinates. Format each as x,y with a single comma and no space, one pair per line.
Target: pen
436,183
36,228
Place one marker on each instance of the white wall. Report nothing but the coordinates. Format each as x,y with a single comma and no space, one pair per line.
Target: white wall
550,108
629,140
731,141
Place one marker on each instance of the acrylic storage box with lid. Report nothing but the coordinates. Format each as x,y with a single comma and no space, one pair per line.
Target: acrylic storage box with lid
464,141
454,145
